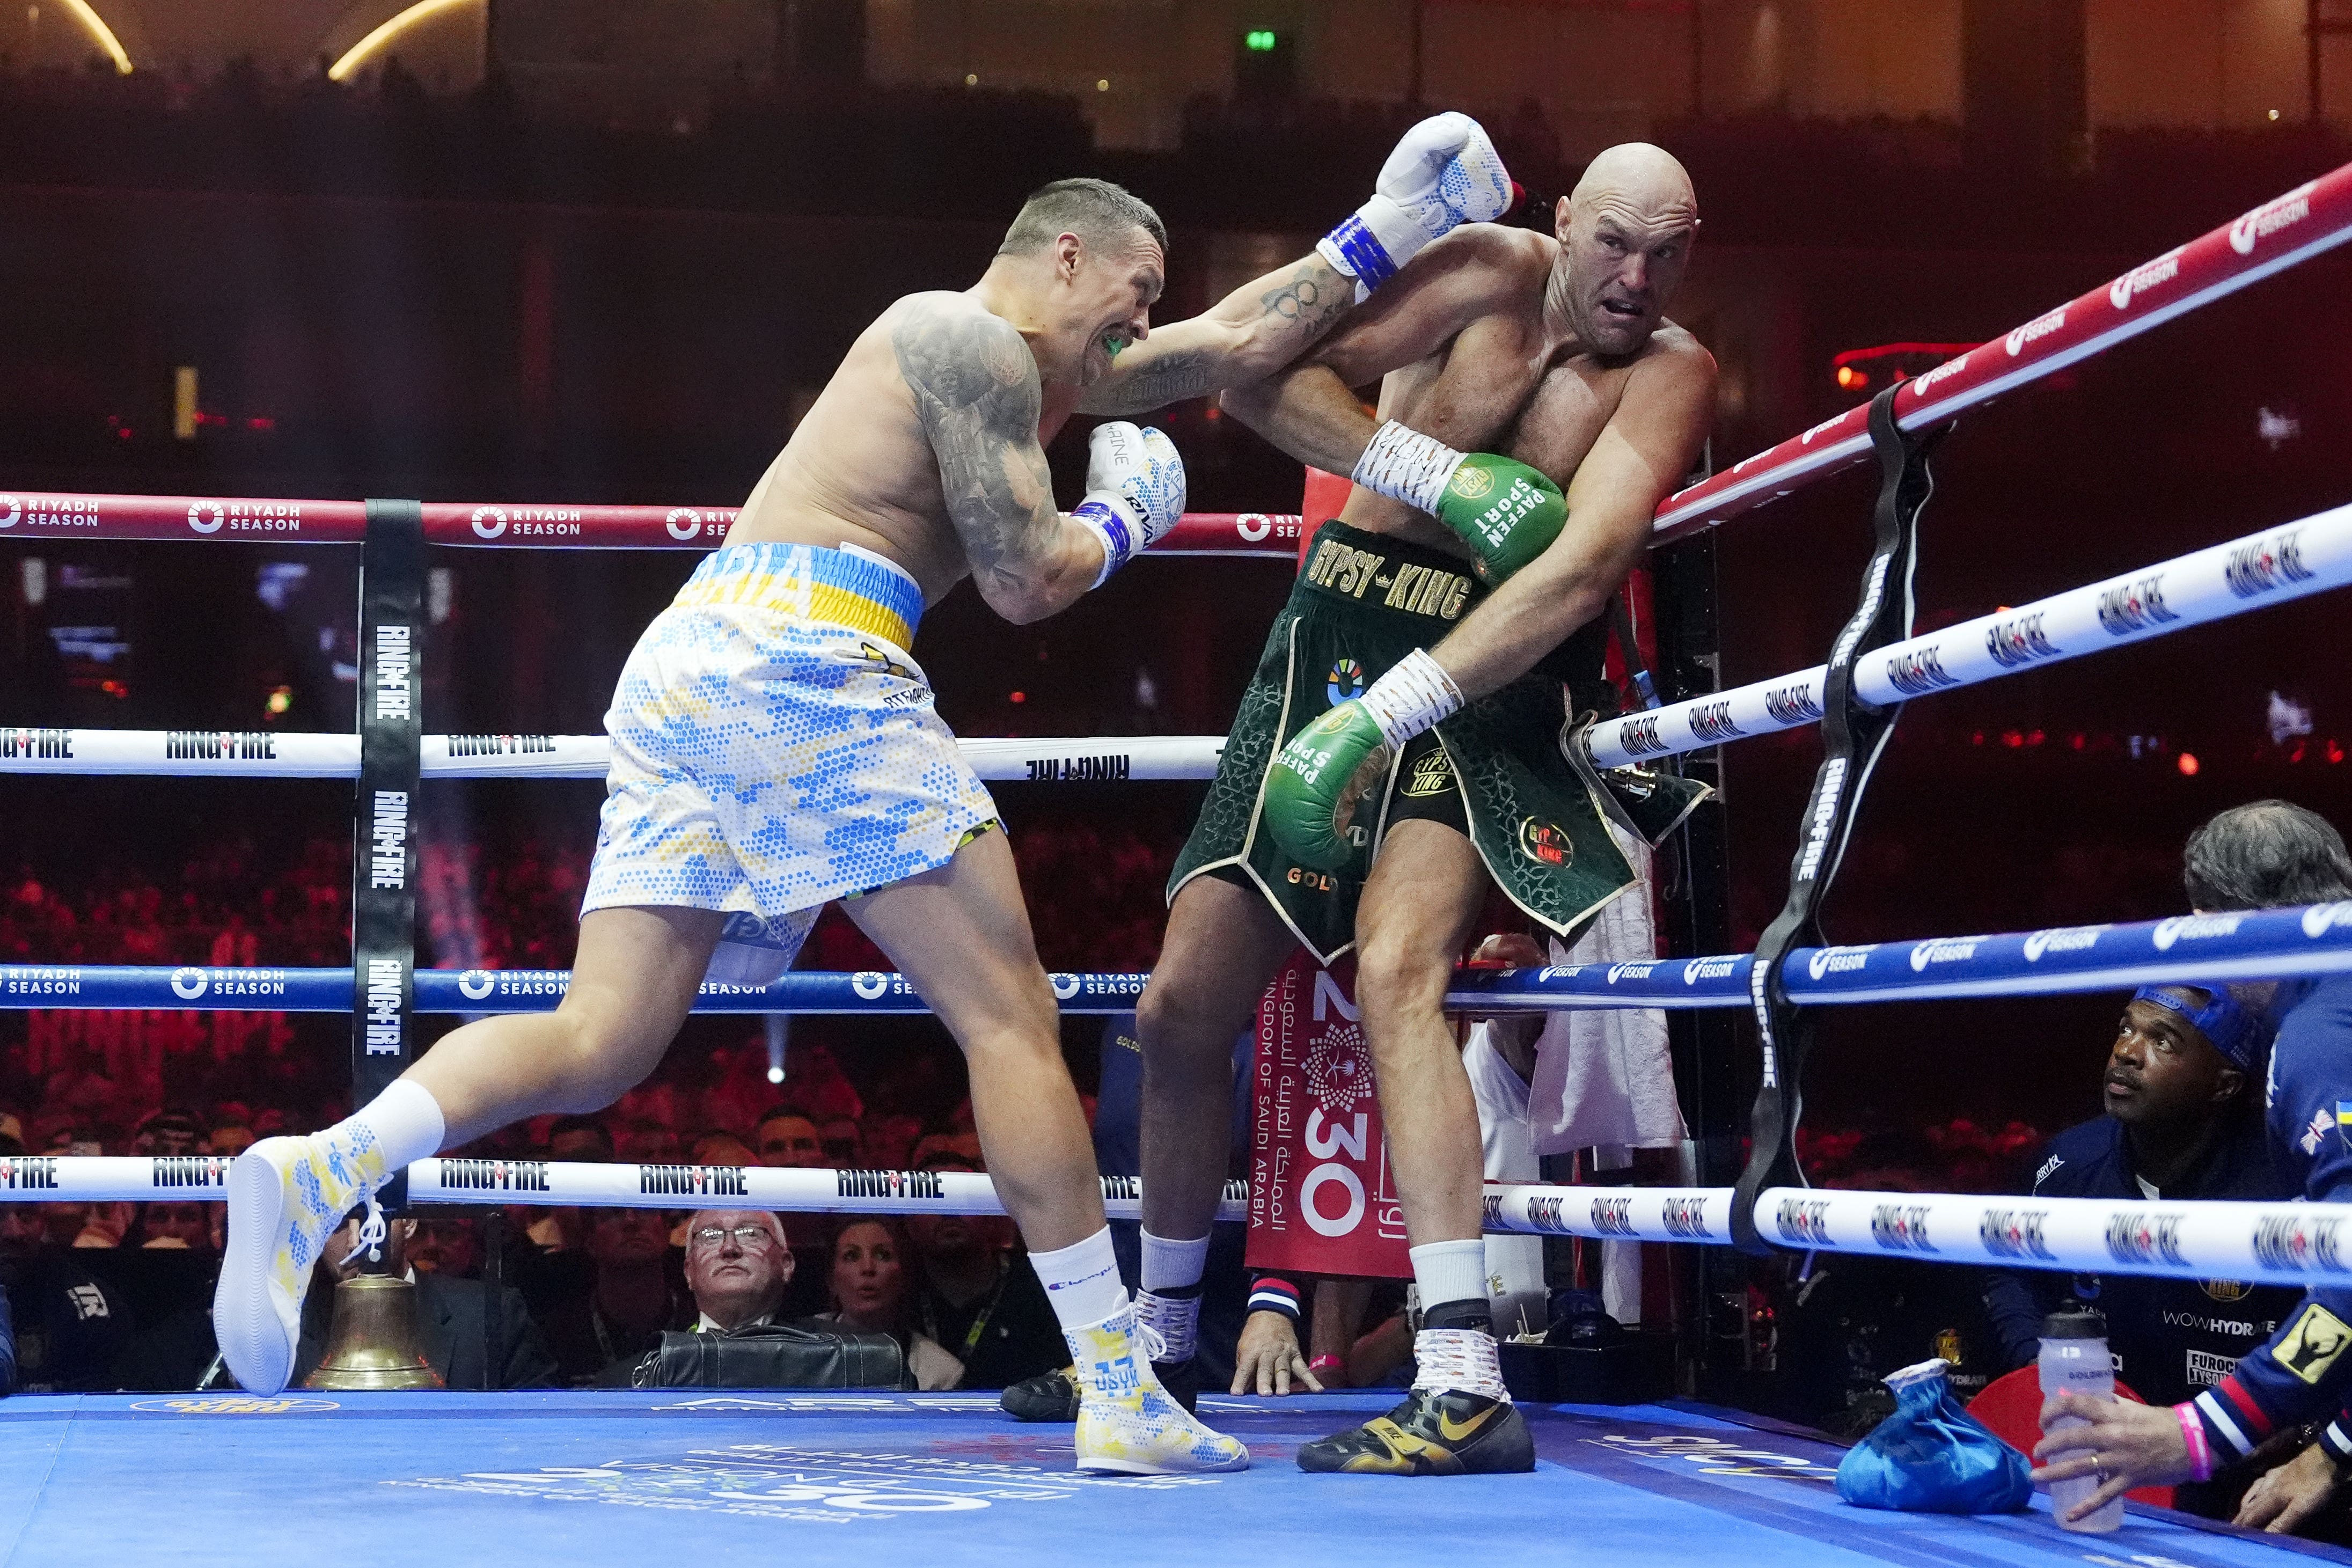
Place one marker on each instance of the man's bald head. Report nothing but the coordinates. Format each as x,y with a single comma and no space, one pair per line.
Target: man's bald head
1626,235
1640,178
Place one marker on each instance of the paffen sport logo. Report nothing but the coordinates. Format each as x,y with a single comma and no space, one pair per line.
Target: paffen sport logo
1471,483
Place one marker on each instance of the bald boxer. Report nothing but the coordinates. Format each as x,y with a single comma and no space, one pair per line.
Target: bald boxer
774,745
1400,753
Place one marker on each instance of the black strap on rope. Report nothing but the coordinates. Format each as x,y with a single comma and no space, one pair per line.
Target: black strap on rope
383,859
1853,734
1637,673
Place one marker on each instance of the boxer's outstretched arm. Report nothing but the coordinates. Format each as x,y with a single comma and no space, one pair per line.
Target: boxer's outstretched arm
975,385
1641,456
1253,332
1307,408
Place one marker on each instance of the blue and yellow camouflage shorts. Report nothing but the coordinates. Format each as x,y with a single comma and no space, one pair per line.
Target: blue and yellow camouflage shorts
775,747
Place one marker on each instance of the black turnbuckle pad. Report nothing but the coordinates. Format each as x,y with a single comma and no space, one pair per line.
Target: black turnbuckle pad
1853,734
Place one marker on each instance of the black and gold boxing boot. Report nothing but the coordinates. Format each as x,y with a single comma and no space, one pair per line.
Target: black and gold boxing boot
1457,1421
1048,1396
1435,1432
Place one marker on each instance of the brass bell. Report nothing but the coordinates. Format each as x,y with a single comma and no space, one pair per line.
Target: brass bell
374,1341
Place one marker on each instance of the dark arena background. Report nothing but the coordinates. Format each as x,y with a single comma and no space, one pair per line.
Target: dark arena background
548,255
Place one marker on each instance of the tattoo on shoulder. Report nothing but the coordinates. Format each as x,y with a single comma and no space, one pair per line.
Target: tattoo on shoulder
976,387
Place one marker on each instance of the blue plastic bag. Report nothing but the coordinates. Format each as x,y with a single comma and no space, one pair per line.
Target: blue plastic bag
1931,1456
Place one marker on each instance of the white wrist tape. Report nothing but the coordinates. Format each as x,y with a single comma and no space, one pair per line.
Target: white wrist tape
1412,697
1407,465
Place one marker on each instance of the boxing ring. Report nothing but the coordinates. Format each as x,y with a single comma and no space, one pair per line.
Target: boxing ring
947,1474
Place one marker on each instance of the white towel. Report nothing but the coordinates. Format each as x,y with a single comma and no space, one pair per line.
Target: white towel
1604,1076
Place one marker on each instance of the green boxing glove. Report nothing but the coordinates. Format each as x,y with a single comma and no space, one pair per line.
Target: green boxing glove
1506,512
1316,781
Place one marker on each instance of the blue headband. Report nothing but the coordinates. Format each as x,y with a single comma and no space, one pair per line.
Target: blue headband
2234,1031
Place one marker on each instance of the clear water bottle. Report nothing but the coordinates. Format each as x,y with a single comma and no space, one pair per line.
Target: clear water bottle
2074,1360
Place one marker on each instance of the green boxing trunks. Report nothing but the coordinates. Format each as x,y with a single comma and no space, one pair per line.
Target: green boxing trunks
1497,771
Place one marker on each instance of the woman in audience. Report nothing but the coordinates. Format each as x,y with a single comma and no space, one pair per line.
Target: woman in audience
870,1291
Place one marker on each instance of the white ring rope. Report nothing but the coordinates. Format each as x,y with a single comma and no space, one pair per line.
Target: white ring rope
2250,573
271,754
2279,1242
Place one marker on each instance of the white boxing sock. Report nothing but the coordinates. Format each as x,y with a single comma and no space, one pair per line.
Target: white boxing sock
1450,1271
1082,1281
405,1122
1173,1265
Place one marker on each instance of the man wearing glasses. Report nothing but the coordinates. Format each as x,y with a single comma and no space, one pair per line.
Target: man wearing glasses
737,1267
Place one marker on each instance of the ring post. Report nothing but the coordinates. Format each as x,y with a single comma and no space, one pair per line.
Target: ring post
1853,734
383,859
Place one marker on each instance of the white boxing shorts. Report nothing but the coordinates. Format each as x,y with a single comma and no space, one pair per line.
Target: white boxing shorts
775,747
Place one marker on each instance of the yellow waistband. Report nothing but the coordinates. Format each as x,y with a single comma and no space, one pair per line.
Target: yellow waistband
802,596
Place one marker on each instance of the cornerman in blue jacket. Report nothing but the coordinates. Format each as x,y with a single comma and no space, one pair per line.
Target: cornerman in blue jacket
2268,855
2179,1125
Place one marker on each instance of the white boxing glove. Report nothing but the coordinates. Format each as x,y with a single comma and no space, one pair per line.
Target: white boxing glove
1135,491
1443,174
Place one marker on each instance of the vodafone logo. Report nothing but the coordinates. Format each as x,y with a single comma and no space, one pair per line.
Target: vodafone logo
683,522
489,521
869,985
475,984
206,515
2269,218
1065,986
188,983
11,509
